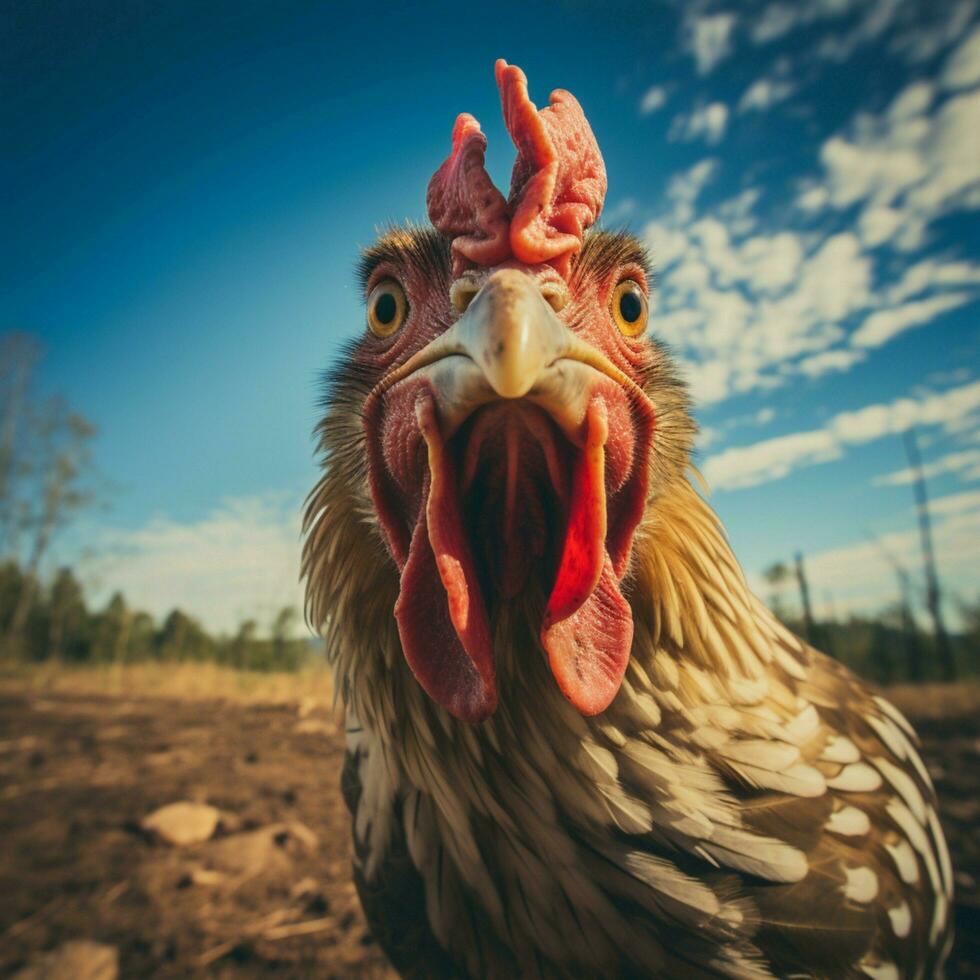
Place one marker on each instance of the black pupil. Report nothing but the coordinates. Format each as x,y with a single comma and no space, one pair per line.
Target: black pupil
385,308
630,306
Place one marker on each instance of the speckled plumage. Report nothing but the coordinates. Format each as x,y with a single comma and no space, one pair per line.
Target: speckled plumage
745,807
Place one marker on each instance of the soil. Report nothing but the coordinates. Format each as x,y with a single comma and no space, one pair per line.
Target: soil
270,893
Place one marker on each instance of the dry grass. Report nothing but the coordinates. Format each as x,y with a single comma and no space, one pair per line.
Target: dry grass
311,686
934,702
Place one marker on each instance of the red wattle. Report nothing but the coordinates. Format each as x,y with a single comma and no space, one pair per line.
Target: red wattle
584,549
588,652
444,632
588,625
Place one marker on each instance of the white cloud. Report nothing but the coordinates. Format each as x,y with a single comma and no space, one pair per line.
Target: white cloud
709,39
878,223
813,197
707,436
737,211
239,562
883,325
829,360
965,463
930,274
962,68
776,20
707,122
771,459
653,99
683,190
905,167
780,18
619,212
764,93
946,408
877,17
956,503
739,310
748,310
925,39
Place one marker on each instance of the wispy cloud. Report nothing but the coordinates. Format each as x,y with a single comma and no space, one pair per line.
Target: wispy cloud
749,309
962,69
966,464
956,503
874,19
772,459
904,168
883,325
653,99
829,361
709,39
706,121
239,562
764,93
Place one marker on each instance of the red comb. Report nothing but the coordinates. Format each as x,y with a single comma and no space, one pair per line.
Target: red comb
464,204
556,191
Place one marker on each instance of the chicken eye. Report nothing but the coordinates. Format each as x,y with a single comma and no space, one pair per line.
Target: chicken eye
387,308
629,308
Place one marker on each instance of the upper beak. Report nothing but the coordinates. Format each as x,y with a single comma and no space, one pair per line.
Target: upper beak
511,332
509,343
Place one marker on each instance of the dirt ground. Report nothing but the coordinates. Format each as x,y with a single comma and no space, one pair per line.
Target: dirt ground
269,894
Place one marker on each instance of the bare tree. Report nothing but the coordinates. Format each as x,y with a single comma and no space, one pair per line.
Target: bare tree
933,592
56,458
910,634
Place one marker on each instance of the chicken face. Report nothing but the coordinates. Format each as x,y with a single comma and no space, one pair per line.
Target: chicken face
509,430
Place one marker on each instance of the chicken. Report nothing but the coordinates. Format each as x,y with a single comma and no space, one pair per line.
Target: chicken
578,746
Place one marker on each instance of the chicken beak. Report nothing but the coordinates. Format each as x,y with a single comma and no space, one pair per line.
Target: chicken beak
511,332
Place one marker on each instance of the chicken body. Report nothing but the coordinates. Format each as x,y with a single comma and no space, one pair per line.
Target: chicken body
578,745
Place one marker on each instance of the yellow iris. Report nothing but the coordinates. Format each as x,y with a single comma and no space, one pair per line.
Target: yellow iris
629,308
387,308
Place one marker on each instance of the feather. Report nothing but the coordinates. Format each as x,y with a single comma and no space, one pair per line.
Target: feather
858,777
861,885
901,782
880,971
849,821
939,843
896,716
890,735
904,858
766,858
900,917
840,749
804,727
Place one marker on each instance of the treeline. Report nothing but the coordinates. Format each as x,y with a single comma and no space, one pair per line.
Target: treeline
59,626
892,647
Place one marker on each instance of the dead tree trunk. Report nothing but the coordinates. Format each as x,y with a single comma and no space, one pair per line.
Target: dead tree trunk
913,653
805,598
933,593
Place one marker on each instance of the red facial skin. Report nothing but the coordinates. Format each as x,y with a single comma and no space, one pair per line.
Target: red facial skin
463,680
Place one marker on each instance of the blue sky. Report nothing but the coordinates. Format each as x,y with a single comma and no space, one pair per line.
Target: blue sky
188,186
